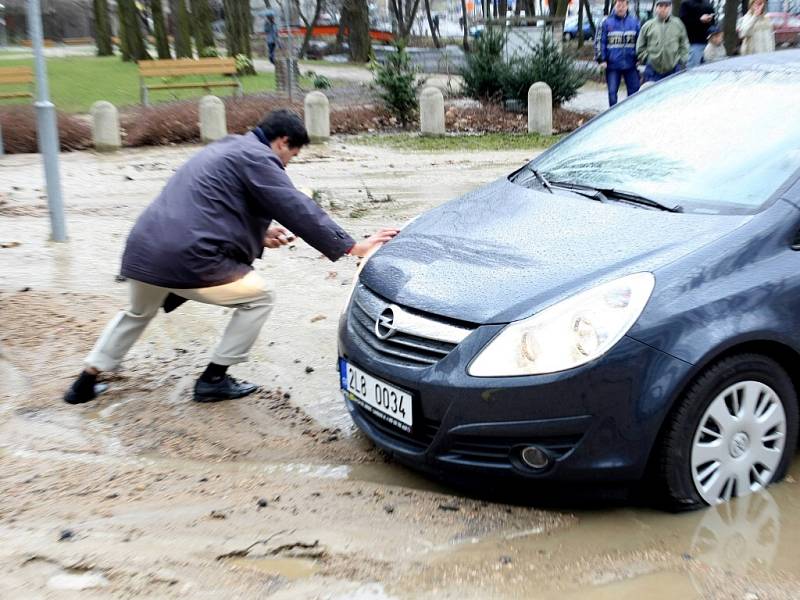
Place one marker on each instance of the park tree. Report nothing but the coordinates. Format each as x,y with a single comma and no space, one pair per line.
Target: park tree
159,29
465,24
132,42
201,26
238,26
308,23
182,32
102,28
404,12
434,35
357,19
731,38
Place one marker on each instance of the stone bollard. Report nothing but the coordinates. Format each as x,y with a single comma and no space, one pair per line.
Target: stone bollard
317,113
540,109
212,119
105,127
431,112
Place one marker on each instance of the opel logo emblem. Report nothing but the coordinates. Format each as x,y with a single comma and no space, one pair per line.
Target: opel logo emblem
384,324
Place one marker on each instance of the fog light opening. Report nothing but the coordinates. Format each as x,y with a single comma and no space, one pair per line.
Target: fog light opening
535,457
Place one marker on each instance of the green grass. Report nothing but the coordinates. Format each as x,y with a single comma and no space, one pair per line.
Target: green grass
77,82
489,141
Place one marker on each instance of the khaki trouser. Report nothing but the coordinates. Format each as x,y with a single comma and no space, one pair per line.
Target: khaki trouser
250,297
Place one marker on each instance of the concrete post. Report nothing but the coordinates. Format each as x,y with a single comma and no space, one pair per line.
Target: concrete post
212,119
105,127
317,114
540,109
431,112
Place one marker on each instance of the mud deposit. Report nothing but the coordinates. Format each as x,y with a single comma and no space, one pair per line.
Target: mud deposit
144,494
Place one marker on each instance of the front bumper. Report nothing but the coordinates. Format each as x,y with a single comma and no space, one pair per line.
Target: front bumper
596,422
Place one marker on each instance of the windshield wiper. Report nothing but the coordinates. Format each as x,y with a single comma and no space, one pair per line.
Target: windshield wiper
603,194
586,191
541,179
639,199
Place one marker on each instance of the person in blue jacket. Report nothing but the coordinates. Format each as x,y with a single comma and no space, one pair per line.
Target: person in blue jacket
615,50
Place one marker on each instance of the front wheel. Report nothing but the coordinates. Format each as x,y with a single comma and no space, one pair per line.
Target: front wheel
732,434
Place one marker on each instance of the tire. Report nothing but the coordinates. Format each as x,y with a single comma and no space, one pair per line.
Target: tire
751,449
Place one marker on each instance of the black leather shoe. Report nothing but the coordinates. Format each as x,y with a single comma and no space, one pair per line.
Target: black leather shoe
80,394
225,389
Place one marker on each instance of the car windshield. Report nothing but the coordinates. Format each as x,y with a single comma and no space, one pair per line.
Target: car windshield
712,142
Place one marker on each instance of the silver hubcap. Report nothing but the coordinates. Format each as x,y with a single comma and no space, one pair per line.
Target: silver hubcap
739,442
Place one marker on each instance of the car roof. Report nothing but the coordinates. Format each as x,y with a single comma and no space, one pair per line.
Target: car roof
783,60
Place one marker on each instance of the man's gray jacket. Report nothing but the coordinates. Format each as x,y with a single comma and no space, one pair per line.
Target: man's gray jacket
208,224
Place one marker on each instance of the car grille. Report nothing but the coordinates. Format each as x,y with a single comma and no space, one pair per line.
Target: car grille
498,451
420,341
418,440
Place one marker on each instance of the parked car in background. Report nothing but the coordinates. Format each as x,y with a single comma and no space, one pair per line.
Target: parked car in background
625,307
571,27
786,27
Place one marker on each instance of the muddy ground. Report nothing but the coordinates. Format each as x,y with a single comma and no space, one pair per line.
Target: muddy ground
145,494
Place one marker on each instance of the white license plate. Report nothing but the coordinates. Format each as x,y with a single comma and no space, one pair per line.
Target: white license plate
378,397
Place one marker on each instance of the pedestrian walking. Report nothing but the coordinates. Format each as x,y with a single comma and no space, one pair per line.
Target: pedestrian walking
198,239
755,29
715,50
697,16
271,37
615,50
663,46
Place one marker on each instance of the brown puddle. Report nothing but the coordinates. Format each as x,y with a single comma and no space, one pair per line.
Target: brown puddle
749,544
289,568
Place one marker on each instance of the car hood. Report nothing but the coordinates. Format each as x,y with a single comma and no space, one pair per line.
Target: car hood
503,252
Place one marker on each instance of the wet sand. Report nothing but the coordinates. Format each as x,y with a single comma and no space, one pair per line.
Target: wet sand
145,494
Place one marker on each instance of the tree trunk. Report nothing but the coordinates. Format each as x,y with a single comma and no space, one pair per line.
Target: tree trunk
588,12
465,24
606,6
434,37
201,26
309,25
729,26
561,8
502,9
405,15
159,30
133,41
238,25
358,24
580,25
183,29
102,28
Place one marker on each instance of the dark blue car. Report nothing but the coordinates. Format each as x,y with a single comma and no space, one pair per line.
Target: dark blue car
624,307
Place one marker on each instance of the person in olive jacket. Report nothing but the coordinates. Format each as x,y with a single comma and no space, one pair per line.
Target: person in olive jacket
663,45
198,239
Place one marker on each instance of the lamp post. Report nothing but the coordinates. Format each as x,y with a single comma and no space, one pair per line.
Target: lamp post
46,127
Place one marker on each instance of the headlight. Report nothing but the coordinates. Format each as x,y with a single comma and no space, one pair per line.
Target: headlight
568,334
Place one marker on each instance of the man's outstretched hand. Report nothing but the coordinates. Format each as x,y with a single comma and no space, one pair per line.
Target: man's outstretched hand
277,236
363,247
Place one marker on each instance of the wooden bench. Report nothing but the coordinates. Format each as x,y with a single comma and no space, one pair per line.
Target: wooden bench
79,41
16,76
185,67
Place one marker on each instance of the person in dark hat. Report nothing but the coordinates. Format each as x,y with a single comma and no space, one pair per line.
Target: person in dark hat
714,50
663,46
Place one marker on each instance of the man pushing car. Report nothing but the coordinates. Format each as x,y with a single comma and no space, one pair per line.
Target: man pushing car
198,239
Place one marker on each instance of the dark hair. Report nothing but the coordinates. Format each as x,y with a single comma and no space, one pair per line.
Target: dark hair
285,123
